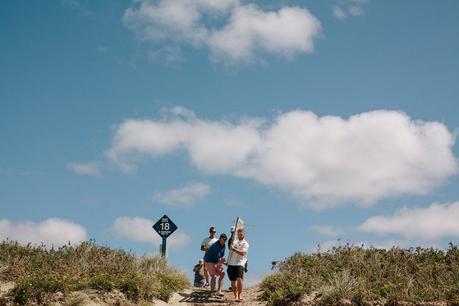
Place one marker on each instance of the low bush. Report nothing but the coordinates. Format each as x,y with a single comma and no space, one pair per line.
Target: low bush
35,289
132,287
39,272
284,288
366,274
168,284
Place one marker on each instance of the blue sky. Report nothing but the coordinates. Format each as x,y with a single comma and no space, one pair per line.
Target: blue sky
311,120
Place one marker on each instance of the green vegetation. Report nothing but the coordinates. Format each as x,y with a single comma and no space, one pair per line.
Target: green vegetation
39,273
361,275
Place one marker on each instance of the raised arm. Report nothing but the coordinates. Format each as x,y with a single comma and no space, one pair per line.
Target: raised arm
197,268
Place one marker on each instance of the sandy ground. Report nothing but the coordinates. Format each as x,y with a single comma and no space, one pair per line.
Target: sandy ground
192,296
199,296
5,287
189,297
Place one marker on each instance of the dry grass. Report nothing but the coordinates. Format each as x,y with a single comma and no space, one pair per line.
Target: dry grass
359,274
39,273
3,270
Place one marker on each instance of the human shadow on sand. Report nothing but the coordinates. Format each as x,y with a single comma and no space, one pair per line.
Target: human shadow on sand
201,296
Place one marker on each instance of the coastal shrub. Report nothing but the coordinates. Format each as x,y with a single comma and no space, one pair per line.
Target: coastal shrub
39,272
360,274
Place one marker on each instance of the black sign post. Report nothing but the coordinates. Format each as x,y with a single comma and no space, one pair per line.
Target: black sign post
164,227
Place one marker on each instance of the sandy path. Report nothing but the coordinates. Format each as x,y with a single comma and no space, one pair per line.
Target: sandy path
189,297
199,296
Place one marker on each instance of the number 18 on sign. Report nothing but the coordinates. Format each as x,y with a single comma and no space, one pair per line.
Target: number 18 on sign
164,227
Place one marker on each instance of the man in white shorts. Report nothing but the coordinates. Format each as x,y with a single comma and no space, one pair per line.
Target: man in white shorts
205,245
236,263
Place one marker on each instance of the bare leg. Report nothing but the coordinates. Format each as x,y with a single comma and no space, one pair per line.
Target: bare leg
220,282
212,283
233,288
239,287
206,274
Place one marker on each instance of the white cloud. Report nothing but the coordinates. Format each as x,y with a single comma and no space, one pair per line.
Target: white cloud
184,196
356,10
420,223
327,230
214,147
177,20
326,161
338,12
140,230
91,168
346,8
245,31
217,6
286,32
51,232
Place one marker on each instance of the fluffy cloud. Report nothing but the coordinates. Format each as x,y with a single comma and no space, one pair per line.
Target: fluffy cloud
185,196
51,232
289,31
327,230
326,160
420,223
214,147
91,168
245,29
178,20
140,230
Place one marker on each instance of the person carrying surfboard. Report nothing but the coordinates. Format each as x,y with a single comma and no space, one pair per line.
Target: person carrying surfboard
236,263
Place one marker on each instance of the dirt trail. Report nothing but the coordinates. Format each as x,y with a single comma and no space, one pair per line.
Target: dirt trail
199,296
189,297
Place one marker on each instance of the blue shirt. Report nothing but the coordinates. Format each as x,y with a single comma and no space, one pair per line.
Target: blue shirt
215,252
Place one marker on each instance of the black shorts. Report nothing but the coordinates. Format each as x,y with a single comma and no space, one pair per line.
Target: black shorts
235,272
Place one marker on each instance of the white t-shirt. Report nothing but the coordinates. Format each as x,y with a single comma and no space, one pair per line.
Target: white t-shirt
235,259
207,242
